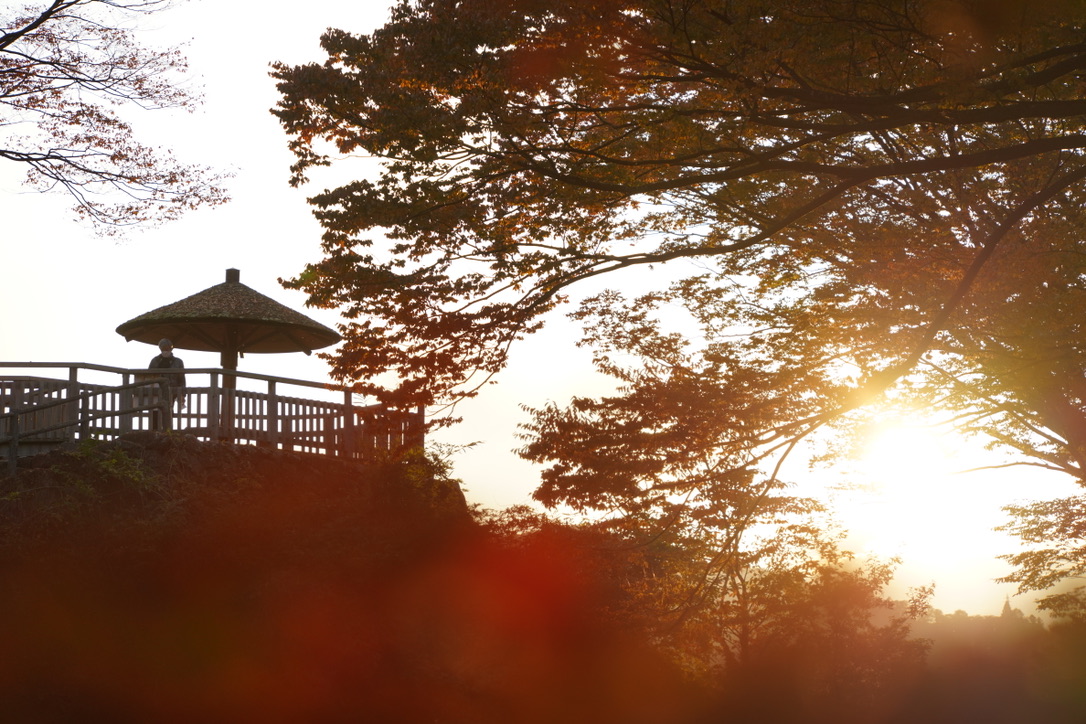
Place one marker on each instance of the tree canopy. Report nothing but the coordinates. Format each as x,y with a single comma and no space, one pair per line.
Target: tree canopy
529,146
67,68
866,194
678,465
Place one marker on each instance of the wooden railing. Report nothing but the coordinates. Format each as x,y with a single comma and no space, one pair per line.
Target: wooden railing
39,412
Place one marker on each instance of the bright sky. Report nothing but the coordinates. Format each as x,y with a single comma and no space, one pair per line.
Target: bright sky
65,290
911,496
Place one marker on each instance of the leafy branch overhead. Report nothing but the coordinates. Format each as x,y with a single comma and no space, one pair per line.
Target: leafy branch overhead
65,70
532,145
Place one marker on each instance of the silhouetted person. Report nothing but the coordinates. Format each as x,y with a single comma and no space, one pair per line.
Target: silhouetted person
172,370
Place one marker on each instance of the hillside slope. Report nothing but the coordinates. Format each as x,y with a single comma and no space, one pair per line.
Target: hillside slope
162,579
165,479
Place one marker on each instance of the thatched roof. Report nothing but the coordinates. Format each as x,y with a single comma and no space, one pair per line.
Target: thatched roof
230,317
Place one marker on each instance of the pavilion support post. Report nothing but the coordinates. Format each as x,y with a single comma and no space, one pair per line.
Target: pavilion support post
228,360
227,405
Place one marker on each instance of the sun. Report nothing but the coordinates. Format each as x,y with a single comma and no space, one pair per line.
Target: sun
910,499
903,453
933,498
904,489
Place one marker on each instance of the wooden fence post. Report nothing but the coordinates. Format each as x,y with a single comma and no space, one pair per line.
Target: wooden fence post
165,404
126,404
347,449
273,415
17,402
81,410
213,408
73,411
416,432
13,444
84,417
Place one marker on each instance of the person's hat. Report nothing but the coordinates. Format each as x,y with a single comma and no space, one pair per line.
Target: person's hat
165,344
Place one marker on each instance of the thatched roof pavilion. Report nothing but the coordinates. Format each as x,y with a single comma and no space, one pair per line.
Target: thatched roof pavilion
232,319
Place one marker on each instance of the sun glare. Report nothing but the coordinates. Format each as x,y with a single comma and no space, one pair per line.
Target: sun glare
909,499
903,488
900,453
